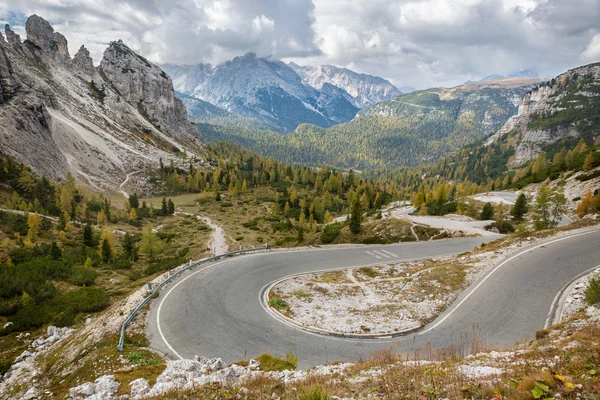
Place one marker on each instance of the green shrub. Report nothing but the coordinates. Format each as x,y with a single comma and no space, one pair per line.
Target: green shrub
86,299
251,223
331,232
278,303
313,393
82,276
270,363
9,307
5,366
140,359
30,317
592,292
122,264
163,265
135,275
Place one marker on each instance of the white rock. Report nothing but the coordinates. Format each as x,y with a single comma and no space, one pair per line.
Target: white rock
82,391
6,325
103,388
32,393
139,388
23,356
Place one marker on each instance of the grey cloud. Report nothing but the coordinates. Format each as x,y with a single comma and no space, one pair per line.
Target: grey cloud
418,43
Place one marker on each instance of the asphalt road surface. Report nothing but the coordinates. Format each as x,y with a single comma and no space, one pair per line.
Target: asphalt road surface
216,311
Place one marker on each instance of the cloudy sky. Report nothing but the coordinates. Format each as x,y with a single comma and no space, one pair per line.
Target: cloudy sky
417,43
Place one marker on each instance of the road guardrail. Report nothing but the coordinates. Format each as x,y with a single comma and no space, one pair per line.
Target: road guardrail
175,275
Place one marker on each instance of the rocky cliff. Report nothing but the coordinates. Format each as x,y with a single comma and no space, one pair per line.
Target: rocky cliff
364,90
59,114
568,106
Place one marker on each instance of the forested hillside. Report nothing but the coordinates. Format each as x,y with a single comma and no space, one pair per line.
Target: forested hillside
411,129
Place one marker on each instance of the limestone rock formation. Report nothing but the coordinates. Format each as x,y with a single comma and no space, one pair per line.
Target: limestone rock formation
560,109
147,87
40,32
59,115
82,62
11,37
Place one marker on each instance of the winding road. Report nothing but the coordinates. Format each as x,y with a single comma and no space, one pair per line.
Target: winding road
215,311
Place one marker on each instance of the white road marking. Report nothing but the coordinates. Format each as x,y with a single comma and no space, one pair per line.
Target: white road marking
381,253
373,254
492,272
387,252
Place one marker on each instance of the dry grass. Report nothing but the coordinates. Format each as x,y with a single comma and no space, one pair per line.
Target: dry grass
563,365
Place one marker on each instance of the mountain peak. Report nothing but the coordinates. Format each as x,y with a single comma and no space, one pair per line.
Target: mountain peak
83,62
40,32
11,37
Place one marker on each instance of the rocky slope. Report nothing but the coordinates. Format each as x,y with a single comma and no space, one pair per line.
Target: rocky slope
479,108
61,114
566,107
265,90
365,90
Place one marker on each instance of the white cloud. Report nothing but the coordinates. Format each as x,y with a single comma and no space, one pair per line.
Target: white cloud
417,43
592,51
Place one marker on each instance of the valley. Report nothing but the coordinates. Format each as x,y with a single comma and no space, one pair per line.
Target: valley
433,243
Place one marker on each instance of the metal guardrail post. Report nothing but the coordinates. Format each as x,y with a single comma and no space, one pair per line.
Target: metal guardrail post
121,344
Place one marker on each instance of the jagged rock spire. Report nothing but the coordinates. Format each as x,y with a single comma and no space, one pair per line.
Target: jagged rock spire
40,32
82,61
11,37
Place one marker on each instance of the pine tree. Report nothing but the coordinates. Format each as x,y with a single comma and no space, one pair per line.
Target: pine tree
132,215
164,210
542,212
588,163
55,252
105,251
150,245
134,201
558,202
355,217
88,235
128,244
520,208
33,222
586,205
62,221
171,207
487,213
300,234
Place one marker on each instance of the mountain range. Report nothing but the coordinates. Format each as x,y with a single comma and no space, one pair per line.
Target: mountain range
274,93
410,129
102,123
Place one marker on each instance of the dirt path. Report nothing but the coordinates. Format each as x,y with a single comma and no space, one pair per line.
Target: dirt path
129,175
218,243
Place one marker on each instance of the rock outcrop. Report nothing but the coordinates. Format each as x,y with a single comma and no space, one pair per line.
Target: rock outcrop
565,107
105,387
365,90
59,114
83,63
11,37
148,87
40,32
